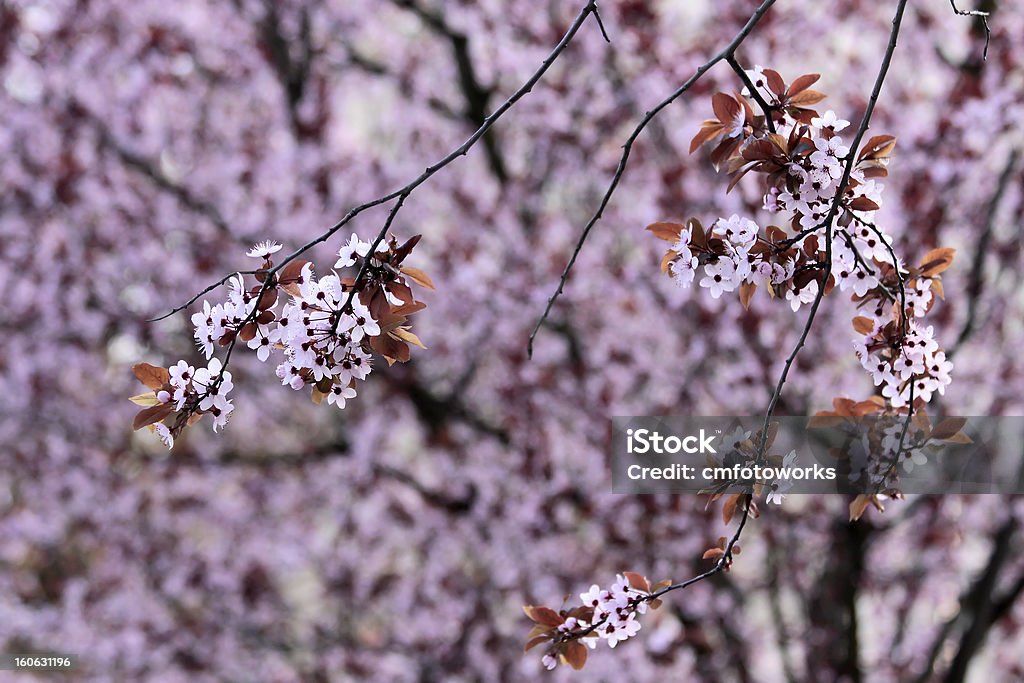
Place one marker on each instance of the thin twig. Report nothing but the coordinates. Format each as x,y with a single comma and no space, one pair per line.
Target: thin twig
728,51
765,107
865,122
984,21
461,150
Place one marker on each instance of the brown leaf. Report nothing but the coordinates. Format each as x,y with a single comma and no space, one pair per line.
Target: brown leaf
747,290
418,276
858,505
864,204
535,642
638,581
948,427
145,400
666,231
936,261
726,107
405,335
801,84
775,82
863,325
667,259
150,375
825,421
291,275
806,98
729,508
709,131
576,654
152,415
959,437
543,615
248,332
712,554
878,147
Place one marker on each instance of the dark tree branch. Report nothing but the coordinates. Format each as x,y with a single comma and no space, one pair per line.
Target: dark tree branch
975,617
765,107
982,16
477,95
627,148
150,169
725,560
404,192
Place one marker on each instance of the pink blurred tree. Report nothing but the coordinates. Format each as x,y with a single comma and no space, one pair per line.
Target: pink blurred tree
148,145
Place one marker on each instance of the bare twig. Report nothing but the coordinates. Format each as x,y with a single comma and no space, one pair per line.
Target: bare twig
459,151
627,148
984,22
765,107
724,561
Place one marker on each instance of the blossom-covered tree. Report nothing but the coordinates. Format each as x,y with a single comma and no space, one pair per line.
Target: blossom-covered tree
148,146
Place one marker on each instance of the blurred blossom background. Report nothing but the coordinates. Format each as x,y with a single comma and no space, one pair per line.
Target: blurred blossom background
145,145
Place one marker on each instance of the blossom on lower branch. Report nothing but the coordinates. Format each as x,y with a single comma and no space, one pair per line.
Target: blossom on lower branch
327,333
609,615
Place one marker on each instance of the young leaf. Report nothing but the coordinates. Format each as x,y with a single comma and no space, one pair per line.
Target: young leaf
152,415
418,276
666,231
150,375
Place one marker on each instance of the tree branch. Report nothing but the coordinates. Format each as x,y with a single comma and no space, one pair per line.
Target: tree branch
627,148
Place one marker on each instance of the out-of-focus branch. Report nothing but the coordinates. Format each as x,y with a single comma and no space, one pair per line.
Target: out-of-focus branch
149,169
976,280
975,617
292,71
476,95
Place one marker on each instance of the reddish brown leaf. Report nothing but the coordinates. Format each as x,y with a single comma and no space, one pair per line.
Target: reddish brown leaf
775,82
638,581
864,204
150,375
727,109
576,654
152,415
543,615
530,644
948,427
664,230
418,276
801,84
708,131
863,325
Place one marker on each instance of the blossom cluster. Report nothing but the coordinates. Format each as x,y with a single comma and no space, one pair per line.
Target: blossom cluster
818,191
608,614
327,332
878,442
